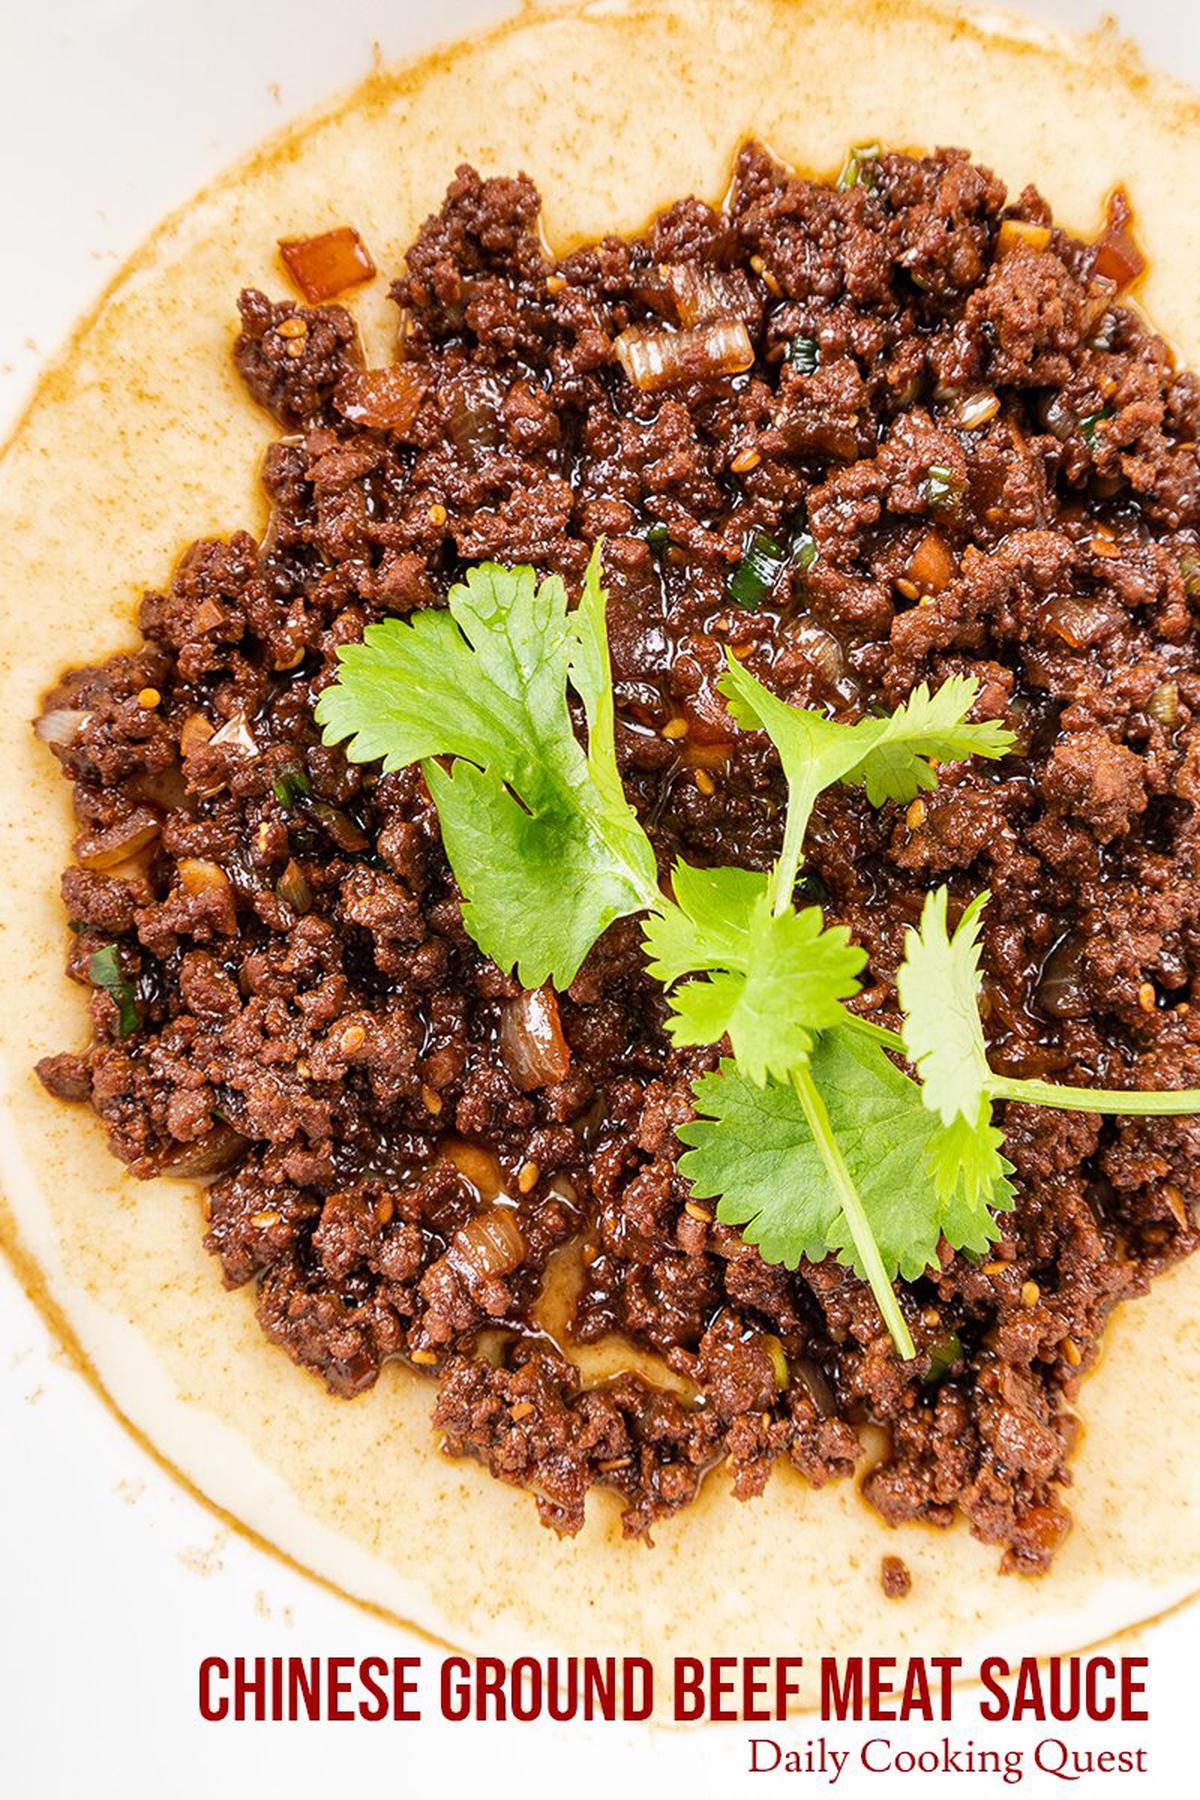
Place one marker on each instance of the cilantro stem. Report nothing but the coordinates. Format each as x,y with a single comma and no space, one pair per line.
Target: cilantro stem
817,1119
783,876
1095,1100
878,1034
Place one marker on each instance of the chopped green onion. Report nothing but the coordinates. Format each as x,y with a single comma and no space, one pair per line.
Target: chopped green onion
804,353
942,1357
1087,427
802,550
763,562
779,1361
290,787
858,170
940,487
657,536
104,971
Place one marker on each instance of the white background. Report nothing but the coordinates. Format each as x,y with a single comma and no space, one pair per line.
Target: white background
114,1580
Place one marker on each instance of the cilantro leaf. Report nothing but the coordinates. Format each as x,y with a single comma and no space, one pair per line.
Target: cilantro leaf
843,1159
543,844
970,1176
708,923
890,757
938,987
753,1147
773,981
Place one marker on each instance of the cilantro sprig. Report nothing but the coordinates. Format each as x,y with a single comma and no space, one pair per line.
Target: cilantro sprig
811,1137
892,758
938,985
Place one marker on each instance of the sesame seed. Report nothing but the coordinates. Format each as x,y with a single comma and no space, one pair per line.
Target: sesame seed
432,1099
994,1268
149,698
263,1220
385,1210
745,460
555,284
615,1462
916,815
1031,1293
527,1180
423,1356
675,728
292,328
589,1254
705,782
697,1212
437,513
907,588
1072,1352
520,1411
352,1039
1147,999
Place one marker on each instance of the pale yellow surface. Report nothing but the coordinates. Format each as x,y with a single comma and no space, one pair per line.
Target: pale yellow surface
141,440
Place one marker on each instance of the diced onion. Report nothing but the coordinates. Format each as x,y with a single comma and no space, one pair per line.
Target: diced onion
208,1155
197,876
1163,704
119,842
703,296
1118,256
61,725
1021,234
235,731
653,358
1076,623
1058,417
386,399
819,648
532,1044
974,410
293,889
1062,992
195,730
325,265
489,1245
471,417
816,1382
931,566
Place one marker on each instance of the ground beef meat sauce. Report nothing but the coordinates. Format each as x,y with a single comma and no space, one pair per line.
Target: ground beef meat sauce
995,464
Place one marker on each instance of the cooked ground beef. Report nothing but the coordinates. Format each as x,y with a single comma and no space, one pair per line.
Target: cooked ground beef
895,1578
315,1026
